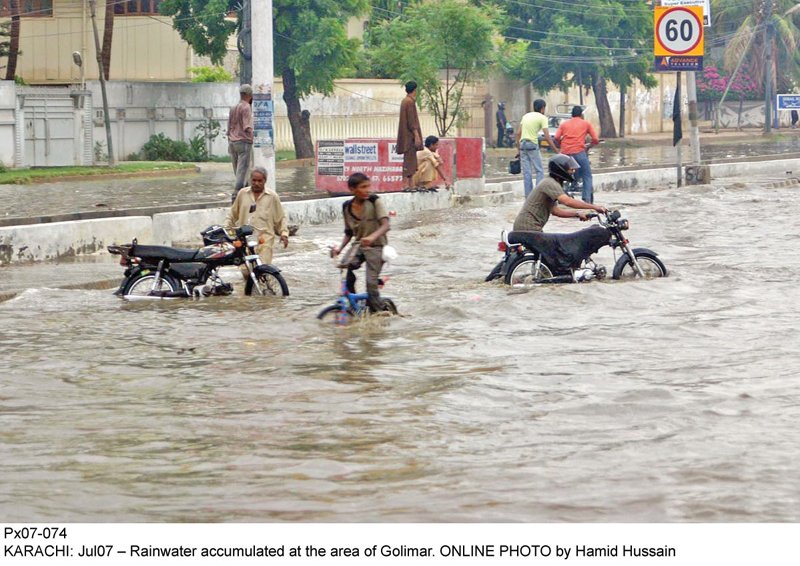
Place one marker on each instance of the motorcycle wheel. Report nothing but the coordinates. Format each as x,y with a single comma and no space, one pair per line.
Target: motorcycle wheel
142,285
495,273
335,316
649,262
389,306
523,273
272,284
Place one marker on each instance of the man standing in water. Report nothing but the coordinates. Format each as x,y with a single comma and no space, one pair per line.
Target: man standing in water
409,134
260,208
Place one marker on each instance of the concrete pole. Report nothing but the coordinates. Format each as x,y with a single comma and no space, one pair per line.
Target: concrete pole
263,96
622,93
768,70
109,145
694,130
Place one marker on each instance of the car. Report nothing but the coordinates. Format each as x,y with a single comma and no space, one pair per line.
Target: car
563,113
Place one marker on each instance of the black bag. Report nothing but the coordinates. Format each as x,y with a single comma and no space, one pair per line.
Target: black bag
514,167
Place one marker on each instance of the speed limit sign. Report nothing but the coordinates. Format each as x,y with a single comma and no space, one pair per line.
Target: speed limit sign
679,31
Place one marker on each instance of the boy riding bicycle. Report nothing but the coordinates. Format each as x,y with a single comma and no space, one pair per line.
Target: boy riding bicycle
366,221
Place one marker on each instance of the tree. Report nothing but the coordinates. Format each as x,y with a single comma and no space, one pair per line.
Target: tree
585,45
747,20
443,45
13,44
311,48
311,51
202,24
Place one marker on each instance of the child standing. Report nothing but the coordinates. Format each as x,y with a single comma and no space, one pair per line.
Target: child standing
366,221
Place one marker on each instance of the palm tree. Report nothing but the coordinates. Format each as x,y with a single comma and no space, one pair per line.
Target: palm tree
747,22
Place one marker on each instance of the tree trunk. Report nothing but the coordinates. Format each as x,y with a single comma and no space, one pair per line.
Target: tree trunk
607,129
298,119
13,48
108,35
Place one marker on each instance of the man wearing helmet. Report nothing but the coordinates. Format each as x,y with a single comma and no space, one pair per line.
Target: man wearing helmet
548,194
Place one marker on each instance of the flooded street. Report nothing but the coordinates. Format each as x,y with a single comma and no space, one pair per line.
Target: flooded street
667,400
216,181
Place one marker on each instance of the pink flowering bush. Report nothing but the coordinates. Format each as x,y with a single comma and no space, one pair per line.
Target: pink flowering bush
711,83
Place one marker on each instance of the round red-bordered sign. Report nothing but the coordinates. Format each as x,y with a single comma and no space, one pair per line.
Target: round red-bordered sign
680,45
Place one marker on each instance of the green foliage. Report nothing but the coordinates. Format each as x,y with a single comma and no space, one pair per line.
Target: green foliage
100,153
202,24
161,148
311,40
744,22
215,74
20,81
608,38
443,46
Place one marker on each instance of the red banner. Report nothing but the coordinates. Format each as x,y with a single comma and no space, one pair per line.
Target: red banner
376,158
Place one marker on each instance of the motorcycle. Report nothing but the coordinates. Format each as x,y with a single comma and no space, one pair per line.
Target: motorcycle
540,258
165,272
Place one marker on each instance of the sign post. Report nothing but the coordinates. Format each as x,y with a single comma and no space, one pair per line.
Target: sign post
679,39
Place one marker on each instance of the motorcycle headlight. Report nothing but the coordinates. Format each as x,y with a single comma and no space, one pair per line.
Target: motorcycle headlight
624,224
252,240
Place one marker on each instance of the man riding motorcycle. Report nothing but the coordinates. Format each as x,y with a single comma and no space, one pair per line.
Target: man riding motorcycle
548,194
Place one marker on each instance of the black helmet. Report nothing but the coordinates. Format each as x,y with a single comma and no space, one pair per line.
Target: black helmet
559,168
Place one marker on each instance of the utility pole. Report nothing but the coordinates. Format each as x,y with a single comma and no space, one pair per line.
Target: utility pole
768,73
262,82
694,130
245,45
622,90
109,145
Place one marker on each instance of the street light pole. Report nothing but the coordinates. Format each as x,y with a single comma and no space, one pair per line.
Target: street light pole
109,145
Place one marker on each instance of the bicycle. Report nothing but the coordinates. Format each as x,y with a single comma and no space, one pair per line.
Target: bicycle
350,306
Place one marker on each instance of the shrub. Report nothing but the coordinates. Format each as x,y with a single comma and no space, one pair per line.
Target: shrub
161,148
713,81
210,75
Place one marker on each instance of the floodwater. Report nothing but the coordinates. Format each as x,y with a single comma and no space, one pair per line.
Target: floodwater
674,399
215,184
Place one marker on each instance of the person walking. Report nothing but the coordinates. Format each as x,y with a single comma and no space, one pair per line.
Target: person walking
794,119
528,141
240,137
409,134
500,116
571,135
260,208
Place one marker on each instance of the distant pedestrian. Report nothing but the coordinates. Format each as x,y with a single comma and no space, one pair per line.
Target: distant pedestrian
571,135
794,119
430,164
500,116
528,139
409,134
240,137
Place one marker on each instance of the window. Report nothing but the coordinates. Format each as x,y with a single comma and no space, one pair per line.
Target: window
27,8
136,7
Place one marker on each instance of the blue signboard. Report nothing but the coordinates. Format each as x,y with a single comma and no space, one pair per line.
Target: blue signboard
678,63
789,102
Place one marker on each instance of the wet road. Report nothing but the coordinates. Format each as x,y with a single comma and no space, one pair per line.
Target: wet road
214,184
668,400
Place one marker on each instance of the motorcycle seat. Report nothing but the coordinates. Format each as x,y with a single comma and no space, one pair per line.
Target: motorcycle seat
563,251
164,252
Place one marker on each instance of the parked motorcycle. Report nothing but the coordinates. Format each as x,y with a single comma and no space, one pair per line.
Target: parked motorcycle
165,272
537,257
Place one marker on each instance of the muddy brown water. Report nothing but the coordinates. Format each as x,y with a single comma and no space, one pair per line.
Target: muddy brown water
667,400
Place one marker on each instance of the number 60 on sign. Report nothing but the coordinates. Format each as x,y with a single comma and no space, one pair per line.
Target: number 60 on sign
679,31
